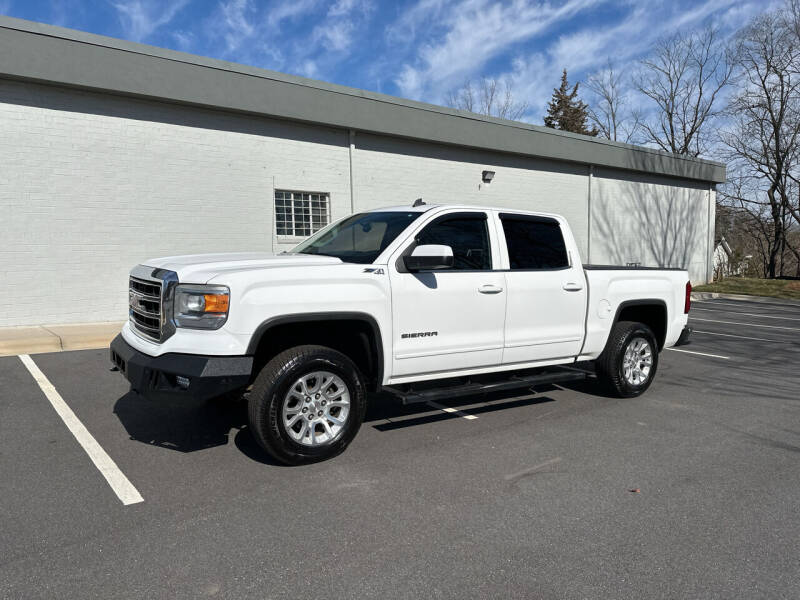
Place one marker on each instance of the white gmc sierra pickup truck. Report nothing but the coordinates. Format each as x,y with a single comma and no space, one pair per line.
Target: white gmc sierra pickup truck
422,301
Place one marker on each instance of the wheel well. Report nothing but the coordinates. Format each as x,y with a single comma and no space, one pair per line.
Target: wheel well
355,338
654,315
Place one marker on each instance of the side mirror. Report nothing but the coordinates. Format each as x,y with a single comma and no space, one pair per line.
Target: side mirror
429,257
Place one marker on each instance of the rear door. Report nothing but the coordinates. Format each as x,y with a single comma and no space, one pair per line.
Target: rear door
450,319
545,309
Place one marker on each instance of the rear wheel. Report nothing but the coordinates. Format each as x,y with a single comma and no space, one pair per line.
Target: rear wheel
629,361
307,404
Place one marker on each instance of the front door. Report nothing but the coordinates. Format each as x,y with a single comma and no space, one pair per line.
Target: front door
450,319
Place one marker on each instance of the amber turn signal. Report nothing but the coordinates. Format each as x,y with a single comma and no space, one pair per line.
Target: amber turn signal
216,303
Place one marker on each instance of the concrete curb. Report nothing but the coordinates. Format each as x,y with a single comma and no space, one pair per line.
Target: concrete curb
55,338
760,299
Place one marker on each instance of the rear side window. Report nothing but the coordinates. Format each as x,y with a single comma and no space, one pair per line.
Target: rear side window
534,243
467,236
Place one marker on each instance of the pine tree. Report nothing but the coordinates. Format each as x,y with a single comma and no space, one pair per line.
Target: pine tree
566,111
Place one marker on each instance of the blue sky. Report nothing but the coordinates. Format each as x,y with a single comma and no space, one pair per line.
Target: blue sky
419,49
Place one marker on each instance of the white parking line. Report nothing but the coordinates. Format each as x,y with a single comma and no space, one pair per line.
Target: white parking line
447,409
747,324
122,487
744,337
750,314
700,353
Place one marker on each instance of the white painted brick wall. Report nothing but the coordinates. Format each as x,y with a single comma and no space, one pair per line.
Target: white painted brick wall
91,185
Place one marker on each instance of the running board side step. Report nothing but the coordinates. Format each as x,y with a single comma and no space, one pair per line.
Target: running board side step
562,374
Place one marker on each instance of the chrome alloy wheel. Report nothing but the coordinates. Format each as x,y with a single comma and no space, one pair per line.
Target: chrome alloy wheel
315,409
637,361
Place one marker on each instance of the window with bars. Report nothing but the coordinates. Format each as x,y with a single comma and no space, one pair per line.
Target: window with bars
299,214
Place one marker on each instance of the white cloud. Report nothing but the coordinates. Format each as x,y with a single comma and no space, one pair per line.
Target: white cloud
591,47
308,68
320,34
289,10
141,18
423,15
235,22
335,36
740,13
477,31
588,50
184,39
335,33
342,8
250,34
467,35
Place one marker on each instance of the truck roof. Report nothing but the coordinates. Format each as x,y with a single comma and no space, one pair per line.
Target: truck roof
426,207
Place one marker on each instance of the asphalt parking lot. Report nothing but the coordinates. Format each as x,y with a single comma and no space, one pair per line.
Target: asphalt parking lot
690,491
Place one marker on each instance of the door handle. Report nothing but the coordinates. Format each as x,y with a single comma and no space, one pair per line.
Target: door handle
571,286
490,289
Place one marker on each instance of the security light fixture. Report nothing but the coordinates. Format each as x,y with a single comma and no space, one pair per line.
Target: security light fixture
487,176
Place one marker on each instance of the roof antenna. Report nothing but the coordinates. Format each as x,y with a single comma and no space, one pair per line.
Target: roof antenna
417,202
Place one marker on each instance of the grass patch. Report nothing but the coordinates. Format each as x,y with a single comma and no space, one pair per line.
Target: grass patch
774,288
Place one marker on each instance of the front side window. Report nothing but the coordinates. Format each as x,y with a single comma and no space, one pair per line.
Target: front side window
359,238
467,236
299,214
534,243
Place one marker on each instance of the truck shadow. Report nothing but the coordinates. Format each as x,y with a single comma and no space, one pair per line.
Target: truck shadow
190,426
187,426
181,425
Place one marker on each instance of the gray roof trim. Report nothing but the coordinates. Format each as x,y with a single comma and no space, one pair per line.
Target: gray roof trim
54,55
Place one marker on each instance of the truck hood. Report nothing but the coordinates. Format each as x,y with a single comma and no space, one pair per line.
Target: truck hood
201,268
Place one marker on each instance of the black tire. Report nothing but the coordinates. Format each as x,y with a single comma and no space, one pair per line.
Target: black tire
270,390
610,364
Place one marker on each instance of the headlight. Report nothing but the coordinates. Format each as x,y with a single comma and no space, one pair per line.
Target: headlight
201,306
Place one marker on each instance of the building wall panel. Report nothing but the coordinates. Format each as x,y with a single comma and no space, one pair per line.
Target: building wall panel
655,221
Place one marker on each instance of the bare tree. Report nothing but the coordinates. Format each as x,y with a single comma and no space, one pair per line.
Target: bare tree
745,222
763,140
490,97
684,78
793,18
609,110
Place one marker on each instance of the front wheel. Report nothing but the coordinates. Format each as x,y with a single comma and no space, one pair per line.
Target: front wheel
307,404
629,361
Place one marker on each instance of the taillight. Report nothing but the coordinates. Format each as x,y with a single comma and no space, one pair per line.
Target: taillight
687,304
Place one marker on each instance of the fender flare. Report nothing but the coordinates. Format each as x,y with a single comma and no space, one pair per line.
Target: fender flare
642,302
377,338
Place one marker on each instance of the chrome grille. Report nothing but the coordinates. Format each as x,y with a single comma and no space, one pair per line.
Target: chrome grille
145,307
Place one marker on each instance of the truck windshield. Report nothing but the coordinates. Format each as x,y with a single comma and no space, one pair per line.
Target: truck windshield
359,238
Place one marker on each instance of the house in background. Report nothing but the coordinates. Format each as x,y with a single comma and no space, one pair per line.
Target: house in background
726,263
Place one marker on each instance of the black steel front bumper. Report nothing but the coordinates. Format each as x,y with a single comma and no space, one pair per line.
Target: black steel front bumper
683,339
180,375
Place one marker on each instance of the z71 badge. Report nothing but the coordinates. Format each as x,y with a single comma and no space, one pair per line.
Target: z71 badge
420,334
